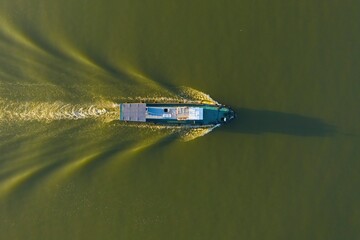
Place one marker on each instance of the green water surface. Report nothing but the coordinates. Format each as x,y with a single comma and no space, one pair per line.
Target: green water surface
286,168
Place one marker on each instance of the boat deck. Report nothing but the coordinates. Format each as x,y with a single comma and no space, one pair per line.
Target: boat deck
140,112
178,113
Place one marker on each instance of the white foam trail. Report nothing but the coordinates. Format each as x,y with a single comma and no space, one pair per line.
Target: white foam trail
11,111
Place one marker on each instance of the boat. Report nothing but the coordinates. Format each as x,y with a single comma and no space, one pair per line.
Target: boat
176,113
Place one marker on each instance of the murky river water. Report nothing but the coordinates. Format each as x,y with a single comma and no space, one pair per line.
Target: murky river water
286,168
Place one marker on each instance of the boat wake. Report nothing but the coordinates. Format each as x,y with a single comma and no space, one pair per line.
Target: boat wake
181,95
197,132
11,112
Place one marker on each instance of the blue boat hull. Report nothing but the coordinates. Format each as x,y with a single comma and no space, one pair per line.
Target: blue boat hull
176,114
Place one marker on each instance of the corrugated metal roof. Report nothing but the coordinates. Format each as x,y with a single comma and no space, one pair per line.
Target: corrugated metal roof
134,112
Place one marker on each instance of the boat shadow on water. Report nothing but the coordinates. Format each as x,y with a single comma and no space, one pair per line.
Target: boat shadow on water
263,121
